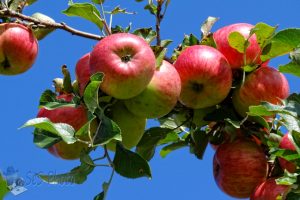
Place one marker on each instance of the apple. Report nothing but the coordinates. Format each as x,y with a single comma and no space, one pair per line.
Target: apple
285,143
235,58
269,190
132,127
239,166
128,64
263,84
74,116
82,72
160,96
205,75
18,48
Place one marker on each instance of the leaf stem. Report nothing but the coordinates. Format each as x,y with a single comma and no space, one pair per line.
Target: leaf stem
4,12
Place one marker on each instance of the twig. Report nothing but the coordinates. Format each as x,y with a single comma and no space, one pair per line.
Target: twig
159,18
10,13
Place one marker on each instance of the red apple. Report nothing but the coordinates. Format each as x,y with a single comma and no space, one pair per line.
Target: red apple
285,143
236,59
18,48
160,96
269,190
74,116
205,76
263,84
82,72
128,64
239,167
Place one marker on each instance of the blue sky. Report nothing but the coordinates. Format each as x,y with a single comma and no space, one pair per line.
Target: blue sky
180,176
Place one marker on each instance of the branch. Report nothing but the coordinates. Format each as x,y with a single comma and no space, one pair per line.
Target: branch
159,18
9,13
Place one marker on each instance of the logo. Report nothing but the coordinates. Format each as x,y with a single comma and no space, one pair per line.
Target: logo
15,183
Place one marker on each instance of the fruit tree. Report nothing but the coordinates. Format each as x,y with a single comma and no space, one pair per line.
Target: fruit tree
130,93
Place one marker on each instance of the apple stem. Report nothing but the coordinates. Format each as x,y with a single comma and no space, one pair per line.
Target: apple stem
5,12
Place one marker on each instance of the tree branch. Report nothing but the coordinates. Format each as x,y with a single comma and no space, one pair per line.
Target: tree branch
9,13
159,17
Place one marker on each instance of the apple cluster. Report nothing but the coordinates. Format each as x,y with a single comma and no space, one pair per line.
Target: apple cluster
19,48
202,77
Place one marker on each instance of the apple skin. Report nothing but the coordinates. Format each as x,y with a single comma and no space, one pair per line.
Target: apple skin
76,117
205,75
285,143
18,48
239,167
269,190
132,127
160,96
236,59
263,84
128,64
82,72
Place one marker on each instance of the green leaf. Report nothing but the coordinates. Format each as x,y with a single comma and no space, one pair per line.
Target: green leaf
288,155
130,164
78,175
65,131
263,33
160,53
85,128
147,33
14,4
292,196
283,42
172,147
107,131
29,2
147,145
90,95
47,96
100,196
3,187
237,41
85,10
295,138
287,179
119,29
118,10
290,68
199,144
189,40
98,1
259,110
152,8
165,43
44,139
55,105
67,82
207,26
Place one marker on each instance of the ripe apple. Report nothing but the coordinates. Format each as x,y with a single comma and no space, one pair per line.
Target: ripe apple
263,84
160,96
269,190
285,143
128,64
205,76
82,72
235,58
239,167
18,48
74,116
132,127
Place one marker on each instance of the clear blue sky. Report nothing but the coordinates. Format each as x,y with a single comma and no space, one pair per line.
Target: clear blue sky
180,176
